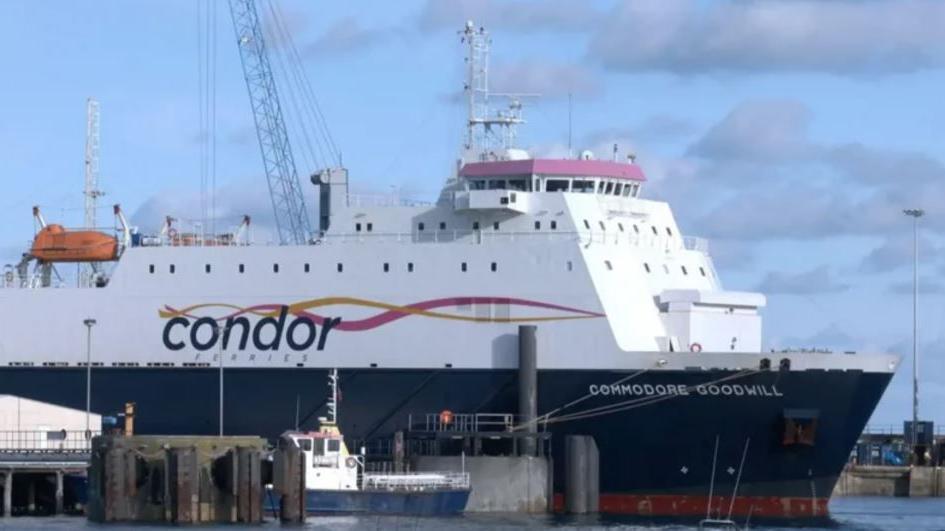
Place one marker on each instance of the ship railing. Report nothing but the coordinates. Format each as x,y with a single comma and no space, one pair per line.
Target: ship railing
938,431
46,441
384,200
466,422
482,237
416,481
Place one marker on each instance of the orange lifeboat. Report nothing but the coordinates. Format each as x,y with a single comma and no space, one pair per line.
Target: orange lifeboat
53,243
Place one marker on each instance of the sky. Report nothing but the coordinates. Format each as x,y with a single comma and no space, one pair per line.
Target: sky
790,133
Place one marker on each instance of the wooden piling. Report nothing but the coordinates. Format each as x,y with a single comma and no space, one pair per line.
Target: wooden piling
8,494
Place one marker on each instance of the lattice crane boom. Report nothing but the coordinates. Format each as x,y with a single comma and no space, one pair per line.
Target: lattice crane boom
288,202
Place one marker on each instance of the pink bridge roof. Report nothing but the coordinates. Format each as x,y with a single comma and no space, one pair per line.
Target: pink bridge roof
564,167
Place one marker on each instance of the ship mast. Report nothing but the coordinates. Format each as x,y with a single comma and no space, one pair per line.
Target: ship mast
92,193
486,131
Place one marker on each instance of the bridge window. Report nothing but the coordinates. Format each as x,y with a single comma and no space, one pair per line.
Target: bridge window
618,188
477,184
242,268
655,232
420,227
462,267
557,185
357,227
386,267
275,268
554,225
151,269
646,266
610,188
587,225
442,225
171,268
495,226
620,226
307,267
494,267
610,266
475,225
702,270
341,267
537,225
627,189
410,267
669,231
636,229
497,184
206,268
518,184
684,271
602,226
370,227
583,187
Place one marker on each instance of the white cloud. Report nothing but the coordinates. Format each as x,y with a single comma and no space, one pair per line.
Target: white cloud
819,280
839,37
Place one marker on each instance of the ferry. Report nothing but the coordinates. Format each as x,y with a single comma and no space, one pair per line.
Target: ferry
418,304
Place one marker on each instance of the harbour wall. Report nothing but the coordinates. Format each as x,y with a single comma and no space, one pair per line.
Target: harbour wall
499,484
899,481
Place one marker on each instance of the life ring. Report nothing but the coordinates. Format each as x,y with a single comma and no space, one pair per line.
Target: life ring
351,462
446,417
172,234
695,347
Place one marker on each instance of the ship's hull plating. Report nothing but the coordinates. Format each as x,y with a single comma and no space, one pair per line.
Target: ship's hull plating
656,443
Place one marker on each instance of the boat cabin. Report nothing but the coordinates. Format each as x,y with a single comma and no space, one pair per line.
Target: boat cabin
329,465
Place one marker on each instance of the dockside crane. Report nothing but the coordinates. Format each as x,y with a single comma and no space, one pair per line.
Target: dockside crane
288,202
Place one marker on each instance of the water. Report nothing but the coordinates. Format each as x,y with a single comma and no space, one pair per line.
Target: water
866,514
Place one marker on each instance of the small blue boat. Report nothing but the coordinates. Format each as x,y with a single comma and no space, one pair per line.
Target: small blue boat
336,481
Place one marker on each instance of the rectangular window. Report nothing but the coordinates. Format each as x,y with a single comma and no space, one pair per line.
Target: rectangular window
570,265
497,184
557,185
684,271
610,188
702,270
410,267
537,225
602,226
636,229
475,225
341,267
586,187
242,268
494,267
618,188
206,268
171,268
655,232
646,266
151,269
370,227
420,227
334,445
462,267
587,224
495,226
307,268
669,231
386,267
620,226
610,266
554,225
518,184
442,225
357,227
275,268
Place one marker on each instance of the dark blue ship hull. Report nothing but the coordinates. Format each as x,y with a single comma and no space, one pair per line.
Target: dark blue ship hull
431,503
656,447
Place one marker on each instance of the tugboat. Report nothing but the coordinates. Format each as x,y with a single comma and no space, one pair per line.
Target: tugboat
336,480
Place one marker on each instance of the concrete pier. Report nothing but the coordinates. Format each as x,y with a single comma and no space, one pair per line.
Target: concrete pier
899,481
176,479
499,484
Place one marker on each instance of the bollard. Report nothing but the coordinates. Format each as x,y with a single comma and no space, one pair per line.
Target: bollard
575,477
528,385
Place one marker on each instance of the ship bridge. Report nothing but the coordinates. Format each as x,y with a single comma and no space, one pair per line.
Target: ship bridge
507,184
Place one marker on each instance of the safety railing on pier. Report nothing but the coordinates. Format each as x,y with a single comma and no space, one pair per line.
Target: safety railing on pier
416,481
49,441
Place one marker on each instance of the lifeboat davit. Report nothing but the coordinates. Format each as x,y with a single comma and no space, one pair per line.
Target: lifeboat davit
53,243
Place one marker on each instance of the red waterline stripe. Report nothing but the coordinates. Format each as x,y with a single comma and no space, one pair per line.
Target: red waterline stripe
683,505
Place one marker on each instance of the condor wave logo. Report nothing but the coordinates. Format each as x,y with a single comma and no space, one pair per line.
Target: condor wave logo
300,329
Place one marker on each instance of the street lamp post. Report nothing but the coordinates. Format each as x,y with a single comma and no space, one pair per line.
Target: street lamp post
89,323
915,214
